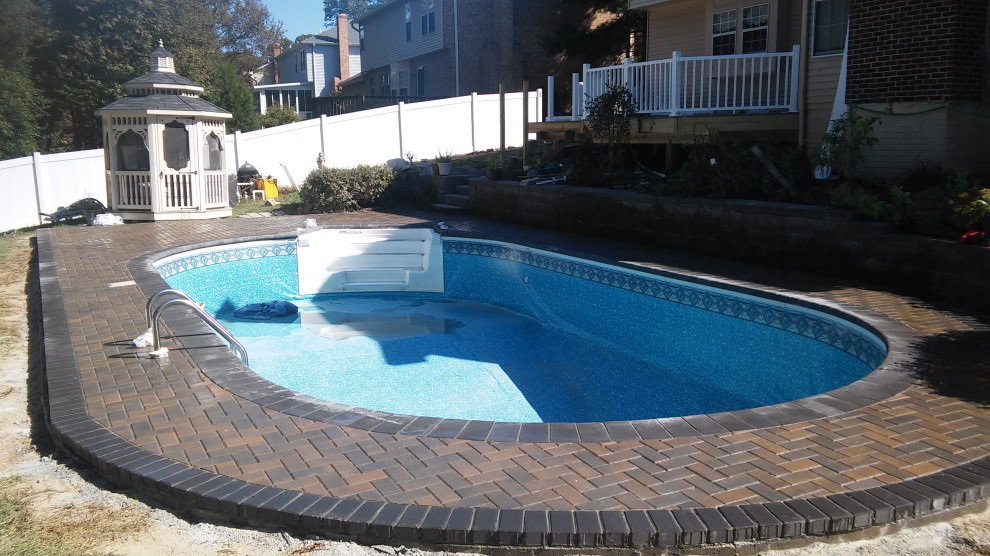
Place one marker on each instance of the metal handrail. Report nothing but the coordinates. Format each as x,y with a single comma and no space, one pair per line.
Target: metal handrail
156,297
207,318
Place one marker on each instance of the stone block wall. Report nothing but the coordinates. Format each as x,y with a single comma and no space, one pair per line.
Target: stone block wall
813,239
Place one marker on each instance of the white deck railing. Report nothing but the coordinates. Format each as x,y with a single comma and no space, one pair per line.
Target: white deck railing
685,85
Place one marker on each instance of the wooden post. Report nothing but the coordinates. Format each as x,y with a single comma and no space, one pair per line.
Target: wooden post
550,107
501,123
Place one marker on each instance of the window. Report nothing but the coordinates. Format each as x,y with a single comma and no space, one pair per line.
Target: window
756,21
724,33
753,36
421,81
831,22
132,153
302,61
403,79
175,139
429,20
408,22
386,82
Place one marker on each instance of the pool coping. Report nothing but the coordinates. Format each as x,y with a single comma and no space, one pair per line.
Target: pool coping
232,499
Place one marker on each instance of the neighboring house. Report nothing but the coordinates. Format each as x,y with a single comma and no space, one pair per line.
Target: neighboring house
311,69
444,48
773,70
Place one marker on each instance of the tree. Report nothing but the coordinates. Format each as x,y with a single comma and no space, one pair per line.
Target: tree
21,104
590,32
234,94
353,8
276,114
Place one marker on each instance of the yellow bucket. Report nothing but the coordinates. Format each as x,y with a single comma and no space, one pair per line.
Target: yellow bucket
269,186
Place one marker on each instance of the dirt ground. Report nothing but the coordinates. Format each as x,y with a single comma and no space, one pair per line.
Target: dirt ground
81,513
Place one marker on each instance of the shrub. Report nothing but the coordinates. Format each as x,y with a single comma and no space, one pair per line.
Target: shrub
610,116
338,190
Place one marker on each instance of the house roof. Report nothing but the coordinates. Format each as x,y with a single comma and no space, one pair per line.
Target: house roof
326,37
164,103
378,9
160,51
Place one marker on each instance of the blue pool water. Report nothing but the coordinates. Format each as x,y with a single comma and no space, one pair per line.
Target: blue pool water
528,336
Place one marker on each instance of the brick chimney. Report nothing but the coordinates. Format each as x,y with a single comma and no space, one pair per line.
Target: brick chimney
344,47
276,52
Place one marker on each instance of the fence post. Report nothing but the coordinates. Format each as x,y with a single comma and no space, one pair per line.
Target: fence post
795,76
550,107
40,182
324,121
627,73
539,105
237,151
474,123
675,82
398,112
575,97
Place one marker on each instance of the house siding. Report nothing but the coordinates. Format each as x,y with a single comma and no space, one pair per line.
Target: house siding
686,26
385,34
823,81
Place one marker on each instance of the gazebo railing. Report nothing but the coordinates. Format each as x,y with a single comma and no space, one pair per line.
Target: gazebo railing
133,190
214,189
180,191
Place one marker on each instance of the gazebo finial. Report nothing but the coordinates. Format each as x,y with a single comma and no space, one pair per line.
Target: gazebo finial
161,59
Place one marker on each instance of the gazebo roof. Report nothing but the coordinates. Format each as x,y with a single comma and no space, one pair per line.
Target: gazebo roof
162,78
177,104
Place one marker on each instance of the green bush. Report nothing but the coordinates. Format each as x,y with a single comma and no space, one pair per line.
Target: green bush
339,190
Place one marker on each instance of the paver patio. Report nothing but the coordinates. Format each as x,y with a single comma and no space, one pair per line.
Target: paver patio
211,437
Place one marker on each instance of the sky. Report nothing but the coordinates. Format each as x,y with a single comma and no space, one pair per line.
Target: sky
298,17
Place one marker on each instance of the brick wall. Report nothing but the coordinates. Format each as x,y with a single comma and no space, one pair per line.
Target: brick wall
916,50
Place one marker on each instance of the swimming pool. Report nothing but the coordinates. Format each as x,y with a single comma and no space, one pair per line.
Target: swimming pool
525,335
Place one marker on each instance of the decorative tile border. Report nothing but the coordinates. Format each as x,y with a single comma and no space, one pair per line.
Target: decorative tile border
827,331
182,262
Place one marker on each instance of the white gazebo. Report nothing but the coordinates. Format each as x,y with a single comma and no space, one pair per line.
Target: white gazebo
164,148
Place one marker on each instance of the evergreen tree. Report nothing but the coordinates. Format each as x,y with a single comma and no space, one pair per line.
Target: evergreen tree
234,95
21,104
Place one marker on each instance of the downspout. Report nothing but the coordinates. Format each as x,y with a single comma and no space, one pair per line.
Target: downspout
803,74
457,55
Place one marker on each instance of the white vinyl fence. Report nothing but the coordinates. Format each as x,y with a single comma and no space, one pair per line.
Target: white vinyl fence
43,183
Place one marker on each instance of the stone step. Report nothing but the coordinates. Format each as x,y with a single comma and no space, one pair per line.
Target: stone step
456,199
444,207
463,189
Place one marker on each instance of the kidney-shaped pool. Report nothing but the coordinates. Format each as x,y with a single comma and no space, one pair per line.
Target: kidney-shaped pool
526,335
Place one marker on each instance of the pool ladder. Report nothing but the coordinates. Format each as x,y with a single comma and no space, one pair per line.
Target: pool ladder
180,298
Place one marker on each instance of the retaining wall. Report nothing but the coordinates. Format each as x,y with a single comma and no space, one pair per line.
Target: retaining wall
809,238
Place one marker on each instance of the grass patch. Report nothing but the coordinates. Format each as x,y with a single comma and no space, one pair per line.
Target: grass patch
289,202
60,531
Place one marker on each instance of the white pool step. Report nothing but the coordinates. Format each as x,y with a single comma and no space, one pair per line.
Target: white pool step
338,260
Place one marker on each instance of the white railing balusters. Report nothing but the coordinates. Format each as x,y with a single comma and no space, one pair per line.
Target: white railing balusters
697,84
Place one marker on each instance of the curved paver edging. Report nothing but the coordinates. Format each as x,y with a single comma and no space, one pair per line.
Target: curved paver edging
235,500
887,380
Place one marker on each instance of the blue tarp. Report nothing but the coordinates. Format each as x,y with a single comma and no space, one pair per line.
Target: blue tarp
266,311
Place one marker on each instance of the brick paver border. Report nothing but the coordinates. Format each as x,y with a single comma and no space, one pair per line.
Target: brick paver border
229,498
